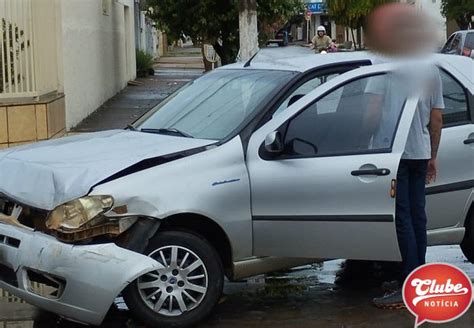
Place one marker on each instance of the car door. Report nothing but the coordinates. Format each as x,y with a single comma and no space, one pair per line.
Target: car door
330,192
447,197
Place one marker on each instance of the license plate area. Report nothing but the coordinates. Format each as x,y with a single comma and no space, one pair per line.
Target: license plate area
9,208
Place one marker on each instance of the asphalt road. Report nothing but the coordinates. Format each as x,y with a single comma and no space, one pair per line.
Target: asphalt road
333,294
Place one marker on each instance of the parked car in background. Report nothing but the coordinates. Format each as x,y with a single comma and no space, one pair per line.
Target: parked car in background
282,37
249,169
460,43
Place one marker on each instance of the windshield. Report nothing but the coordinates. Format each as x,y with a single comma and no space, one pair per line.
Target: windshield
215,105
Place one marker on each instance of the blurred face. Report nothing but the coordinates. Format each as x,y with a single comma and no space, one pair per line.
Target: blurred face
399,29
320,33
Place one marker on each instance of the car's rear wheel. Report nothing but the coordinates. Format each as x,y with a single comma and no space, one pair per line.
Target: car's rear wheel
188,287
467,244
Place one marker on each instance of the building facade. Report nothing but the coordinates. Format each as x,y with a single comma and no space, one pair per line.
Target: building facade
59,61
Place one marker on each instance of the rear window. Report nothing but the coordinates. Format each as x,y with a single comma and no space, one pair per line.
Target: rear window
469,41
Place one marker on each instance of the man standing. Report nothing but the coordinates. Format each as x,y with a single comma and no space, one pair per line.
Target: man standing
321,41
417,167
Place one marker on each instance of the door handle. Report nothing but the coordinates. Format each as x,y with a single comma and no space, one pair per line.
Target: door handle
469,141
379,172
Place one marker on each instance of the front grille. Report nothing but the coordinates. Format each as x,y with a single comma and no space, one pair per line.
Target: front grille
8,275
45,285
29,216
10,241
6,206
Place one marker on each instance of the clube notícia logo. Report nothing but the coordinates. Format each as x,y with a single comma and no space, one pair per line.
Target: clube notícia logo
437,293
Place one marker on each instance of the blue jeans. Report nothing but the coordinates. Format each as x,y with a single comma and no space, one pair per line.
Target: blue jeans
410,215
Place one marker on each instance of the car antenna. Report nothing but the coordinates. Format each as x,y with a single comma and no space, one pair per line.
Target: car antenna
247,64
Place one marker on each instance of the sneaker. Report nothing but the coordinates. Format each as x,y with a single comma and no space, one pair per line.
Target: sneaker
390,286
392,301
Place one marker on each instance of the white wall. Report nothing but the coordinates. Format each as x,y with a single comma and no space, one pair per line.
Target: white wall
148,36
97,58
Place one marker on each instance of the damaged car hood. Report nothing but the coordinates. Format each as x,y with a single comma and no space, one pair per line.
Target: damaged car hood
50,173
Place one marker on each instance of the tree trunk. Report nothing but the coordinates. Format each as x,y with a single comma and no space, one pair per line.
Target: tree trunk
359,37
353,38
248,29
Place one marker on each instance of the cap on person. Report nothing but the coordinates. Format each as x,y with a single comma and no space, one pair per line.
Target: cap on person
321,29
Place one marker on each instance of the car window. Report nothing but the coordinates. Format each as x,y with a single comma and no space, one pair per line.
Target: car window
469,43
448,44
455,100
456,46
359,117
304,89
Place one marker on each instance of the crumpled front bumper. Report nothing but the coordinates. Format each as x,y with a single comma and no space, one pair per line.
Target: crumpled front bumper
94,274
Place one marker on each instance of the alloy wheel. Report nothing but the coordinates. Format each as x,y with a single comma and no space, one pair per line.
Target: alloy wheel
179,286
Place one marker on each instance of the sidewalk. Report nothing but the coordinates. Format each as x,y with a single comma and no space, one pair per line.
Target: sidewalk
171,73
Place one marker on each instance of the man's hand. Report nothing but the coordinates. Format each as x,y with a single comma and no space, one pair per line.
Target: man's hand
432,171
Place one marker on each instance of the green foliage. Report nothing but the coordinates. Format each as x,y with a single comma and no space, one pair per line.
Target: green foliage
14,42
459,10
215,20
144,63
352,13
274,14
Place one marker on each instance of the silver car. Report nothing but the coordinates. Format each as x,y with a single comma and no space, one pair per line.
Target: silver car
252,168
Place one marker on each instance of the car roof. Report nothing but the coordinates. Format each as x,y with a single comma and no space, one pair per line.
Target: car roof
463,32
297,59
302,59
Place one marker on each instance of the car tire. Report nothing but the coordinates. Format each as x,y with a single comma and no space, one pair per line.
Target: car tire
467,244
149,296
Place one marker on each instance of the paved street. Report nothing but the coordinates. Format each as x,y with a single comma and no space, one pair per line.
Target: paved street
303,297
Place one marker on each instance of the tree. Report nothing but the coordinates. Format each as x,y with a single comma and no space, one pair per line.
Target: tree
352,13
274,14
460,11
215,21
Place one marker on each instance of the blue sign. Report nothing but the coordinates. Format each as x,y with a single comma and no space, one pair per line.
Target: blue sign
317,7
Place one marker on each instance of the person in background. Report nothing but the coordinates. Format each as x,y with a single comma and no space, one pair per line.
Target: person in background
321,42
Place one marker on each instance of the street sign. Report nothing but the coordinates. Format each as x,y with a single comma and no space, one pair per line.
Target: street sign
316,7
308,15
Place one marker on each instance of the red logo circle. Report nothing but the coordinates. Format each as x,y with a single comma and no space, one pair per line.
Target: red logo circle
437,292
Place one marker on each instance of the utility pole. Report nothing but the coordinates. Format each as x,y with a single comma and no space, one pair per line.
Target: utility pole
248,29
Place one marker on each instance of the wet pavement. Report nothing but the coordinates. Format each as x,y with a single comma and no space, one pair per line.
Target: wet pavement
332,294
170,74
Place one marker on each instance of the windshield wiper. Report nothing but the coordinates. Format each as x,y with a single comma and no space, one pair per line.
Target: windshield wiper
171,131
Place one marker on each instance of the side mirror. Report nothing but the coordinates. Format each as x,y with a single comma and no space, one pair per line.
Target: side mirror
273,143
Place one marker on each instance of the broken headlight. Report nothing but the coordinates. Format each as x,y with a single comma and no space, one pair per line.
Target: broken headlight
78,213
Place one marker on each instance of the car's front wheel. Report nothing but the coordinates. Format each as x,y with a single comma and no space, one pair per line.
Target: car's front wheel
185,290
